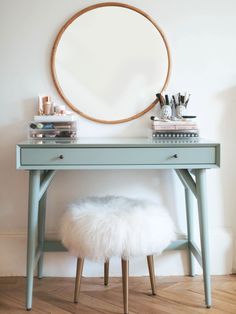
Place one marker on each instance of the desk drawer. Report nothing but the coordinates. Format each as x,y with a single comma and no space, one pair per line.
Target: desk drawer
117,156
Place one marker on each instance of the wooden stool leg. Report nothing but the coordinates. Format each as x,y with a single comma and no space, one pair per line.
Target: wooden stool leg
151,269
125,280
79,270
106,272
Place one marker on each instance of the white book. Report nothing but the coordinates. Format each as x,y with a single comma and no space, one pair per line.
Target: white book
174,127
56,118
174,123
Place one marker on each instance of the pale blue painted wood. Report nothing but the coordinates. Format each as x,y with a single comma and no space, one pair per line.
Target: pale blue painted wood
37,256
41,232
187,180
196,252
54,246
118,167
203,227
113,153
46,180
117,156
34,184
117,153
177,245
200,189
57,246
190,227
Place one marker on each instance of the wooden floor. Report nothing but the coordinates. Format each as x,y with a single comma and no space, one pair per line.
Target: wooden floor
176,295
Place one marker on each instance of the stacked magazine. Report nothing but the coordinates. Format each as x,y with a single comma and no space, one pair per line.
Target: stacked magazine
183,128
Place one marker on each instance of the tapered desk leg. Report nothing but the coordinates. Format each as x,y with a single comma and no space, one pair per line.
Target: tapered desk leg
41,232
189,216
203,226
34,185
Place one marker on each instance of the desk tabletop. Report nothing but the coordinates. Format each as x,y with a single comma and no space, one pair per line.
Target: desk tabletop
117,153
119,142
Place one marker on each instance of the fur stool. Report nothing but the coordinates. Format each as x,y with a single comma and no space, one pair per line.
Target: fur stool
98,228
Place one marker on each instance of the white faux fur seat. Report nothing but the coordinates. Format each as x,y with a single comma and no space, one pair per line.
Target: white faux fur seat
98,228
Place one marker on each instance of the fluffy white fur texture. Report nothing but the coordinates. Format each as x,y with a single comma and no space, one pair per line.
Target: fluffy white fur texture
101,227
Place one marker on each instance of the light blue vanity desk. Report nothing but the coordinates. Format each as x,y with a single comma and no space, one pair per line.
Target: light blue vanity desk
190,158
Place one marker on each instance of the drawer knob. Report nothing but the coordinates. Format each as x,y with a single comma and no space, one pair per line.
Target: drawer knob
175,156
61,157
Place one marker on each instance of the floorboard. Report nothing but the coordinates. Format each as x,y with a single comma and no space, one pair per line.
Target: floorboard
175,295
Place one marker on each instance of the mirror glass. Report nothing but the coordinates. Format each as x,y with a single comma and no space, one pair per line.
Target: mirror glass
108,63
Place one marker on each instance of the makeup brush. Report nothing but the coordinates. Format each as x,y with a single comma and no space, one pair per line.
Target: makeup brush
187,99
167,100
161,99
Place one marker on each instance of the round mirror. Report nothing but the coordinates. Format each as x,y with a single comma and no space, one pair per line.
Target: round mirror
108,62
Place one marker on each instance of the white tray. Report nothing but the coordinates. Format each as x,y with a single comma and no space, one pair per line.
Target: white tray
55,118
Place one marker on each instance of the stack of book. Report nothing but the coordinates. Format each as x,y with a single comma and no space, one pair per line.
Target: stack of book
54,126
183,128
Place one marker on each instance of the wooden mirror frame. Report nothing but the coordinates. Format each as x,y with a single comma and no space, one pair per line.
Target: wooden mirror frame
56,43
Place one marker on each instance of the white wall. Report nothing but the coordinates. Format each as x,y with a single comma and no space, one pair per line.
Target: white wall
201,35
